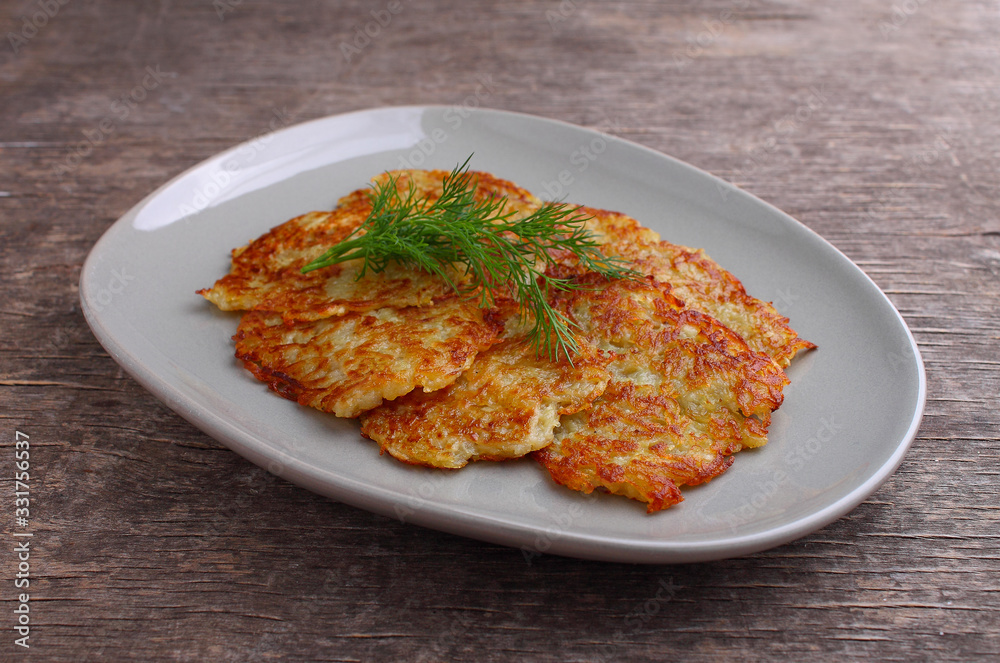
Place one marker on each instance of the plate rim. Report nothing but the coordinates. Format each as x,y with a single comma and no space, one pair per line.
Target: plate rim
460,521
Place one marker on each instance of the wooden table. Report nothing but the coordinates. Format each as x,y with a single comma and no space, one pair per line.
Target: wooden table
873,122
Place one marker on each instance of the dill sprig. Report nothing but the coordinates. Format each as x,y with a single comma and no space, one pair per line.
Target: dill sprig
496,253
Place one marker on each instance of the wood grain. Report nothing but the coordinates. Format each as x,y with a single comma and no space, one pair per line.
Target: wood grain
871,121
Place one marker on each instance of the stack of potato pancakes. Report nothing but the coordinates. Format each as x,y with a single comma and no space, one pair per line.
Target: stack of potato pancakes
676,370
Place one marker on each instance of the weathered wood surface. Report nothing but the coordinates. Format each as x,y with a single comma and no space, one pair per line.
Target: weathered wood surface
874,122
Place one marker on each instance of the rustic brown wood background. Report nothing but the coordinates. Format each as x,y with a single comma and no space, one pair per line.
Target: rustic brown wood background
874,122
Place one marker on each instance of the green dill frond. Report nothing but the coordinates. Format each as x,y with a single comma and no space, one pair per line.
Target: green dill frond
498,253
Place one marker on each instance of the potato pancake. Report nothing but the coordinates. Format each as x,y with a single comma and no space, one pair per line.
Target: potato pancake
685,393
351,363
678,368
505,406
700,282
266,274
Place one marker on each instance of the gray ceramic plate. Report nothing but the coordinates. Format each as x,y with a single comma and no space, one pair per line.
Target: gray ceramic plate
849,415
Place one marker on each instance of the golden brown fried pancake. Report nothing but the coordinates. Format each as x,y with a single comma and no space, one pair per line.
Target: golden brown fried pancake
266,274
700,282
677,370
685,393
505,406
634,443
349,364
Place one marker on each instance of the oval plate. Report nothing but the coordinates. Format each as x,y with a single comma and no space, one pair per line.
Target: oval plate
849,415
